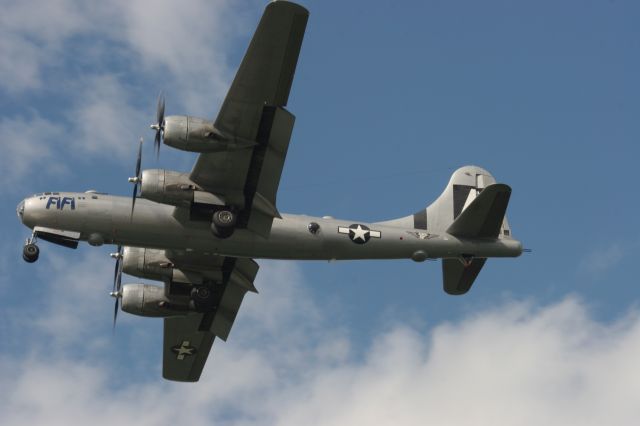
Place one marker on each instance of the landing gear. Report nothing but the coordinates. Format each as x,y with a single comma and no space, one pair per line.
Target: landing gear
223,223
30,252
204,298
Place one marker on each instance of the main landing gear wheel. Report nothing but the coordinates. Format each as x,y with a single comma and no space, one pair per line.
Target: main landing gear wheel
30,252
203,298
223,223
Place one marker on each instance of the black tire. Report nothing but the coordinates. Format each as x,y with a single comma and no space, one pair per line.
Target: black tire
224,218
221,233
223,223
30,253
204,298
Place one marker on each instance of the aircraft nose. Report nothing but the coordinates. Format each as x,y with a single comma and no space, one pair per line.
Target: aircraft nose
25,211
20,211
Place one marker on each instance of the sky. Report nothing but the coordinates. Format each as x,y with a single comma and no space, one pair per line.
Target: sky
390,98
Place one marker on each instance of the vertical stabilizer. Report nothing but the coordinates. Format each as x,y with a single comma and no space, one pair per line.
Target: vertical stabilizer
465,185
472,206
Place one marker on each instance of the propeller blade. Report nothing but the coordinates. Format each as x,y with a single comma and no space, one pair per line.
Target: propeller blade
160,109
117,269
117,284
137,178
139,161
119,279
133,199
159,124
115,313
156,144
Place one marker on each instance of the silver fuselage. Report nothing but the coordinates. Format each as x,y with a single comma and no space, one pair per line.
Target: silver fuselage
101,217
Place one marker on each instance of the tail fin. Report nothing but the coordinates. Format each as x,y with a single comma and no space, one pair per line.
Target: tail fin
465,185
482,218
472,205
463,188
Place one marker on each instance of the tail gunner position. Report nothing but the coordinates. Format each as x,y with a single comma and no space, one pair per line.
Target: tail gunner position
199,232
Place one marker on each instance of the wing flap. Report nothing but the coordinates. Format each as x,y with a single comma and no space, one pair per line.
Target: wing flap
239,276
262,181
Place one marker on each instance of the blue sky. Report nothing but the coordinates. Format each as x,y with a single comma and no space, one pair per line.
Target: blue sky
390,98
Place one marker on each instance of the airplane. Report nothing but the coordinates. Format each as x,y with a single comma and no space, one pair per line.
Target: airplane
199,232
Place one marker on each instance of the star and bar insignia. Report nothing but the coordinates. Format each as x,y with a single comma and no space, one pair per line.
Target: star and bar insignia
358,233
183,350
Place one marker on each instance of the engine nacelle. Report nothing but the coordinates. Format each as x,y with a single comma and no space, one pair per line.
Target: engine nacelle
167,187
192,134
153,264
151,301
176,189
146,263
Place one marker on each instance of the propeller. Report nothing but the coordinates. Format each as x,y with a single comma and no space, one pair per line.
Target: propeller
117,283
158,126
137,178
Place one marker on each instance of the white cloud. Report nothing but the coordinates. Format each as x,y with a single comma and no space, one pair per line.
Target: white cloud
96,61
103,121
190,40
78,299
286,363
32,35
27,148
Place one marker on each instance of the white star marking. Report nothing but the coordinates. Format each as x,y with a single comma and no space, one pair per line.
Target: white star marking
183,350
359,233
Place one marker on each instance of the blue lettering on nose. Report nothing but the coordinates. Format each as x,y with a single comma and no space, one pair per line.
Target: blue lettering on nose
61,202
68,200
53,200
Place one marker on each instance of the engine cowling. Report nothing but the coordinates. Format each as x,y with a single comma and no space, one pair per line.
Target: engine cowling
153,264
151,301
146,263
174,188
167,187
192,134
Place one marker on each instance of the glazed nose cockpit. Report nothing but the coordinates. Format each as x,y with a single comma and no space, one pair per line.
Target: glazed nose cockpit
20,210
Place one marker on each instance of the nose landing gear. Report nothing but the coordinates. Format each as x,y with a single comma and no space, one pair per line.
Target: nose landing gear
30,251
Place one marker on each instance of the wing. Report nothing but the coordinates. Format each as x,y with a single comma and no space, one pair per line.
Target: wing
253,114
188,339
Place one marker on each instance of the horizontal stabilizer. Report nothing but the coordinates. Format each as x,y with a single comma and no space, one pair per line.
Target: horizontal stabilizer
458,277
484,216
